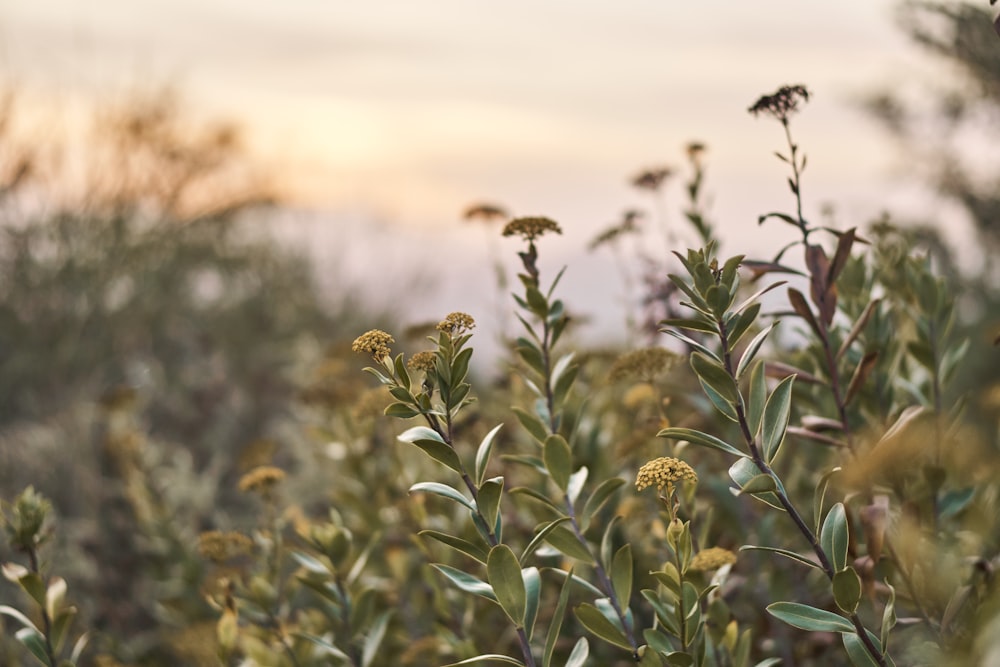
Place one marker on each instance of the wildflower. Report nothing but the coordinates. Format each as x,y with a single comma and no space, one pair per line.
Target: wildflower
782,103
531,228
712,559
694,150
456,323
652,179
261,479
644,364
374,342
218,546
423,361
485,212
664,473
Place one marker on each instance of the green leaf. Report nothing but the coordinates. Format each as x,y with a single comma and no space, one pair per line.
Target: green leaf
743,471
776,413
576,482
558,459
470,549
666,616
531,424
692,343
533,593
434,445
566,541
820,495
555,625
374,638
856,651
712,374
784,552
621,574
17,616
444,491
401,411
328,648
535,495
600,626
804,617
466,582
752,349
489,499
704,326
847,590
758,398
539,537
888,617
35,643
699,438
759,484
483,453
598,498
488,657
834,537
578,656
60,626
504,574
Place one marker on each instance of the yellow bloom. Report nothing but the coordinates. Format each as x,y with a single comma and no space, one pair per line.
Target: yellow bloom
218,546
712,559
664,473
261,479
531,228
374,342
456,324
644,364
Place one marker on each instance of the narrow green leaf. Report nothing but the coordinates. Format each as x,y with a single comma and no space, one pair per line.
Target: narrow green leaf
470,549
750,300
401,411
602,628
420,433
483,453
743,471
738,323
17,616
621,574
539,537
466,582
692,343
598,498
533,594
847,590
888,617
374,638
727,409
804,617
558,459
441,453
578,656
531,424
504,574
488,657
820,496
784,552
665,615
758,398
776,413
704,326
751,351
566,541
579,581
555,625
714,375
444,491
759,484
576,482
856,651
489,499
834,537
60,626
328,648
35,643
699,438
536,496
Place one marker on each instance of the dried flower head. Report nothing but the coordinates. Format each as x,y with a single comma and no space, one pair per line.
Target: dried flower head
485,212
219,546
531,228
644,364
261,479
695,149
374,342
664,473
652,179
423,361
456,324
712,559
782,103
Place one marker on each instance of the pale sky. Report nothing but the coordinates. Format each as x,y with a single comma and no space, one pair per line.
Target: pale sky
402,112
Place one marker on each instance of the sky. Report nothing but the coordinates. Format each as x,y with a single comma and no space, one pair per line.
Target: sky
386,118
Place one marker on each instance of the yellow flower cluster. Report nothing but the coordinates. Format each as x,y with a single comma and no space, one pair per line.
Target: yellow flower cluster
261,479
422,361
531,228
374,342
712,559
218,546
664,473
456,323
644,364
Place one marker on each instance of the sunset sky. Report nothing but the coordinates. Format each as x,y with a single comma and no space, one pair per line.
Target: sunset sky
398,113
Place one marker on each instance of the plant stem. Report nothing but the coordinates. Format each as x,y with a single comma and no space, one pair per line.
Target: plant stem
46,621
